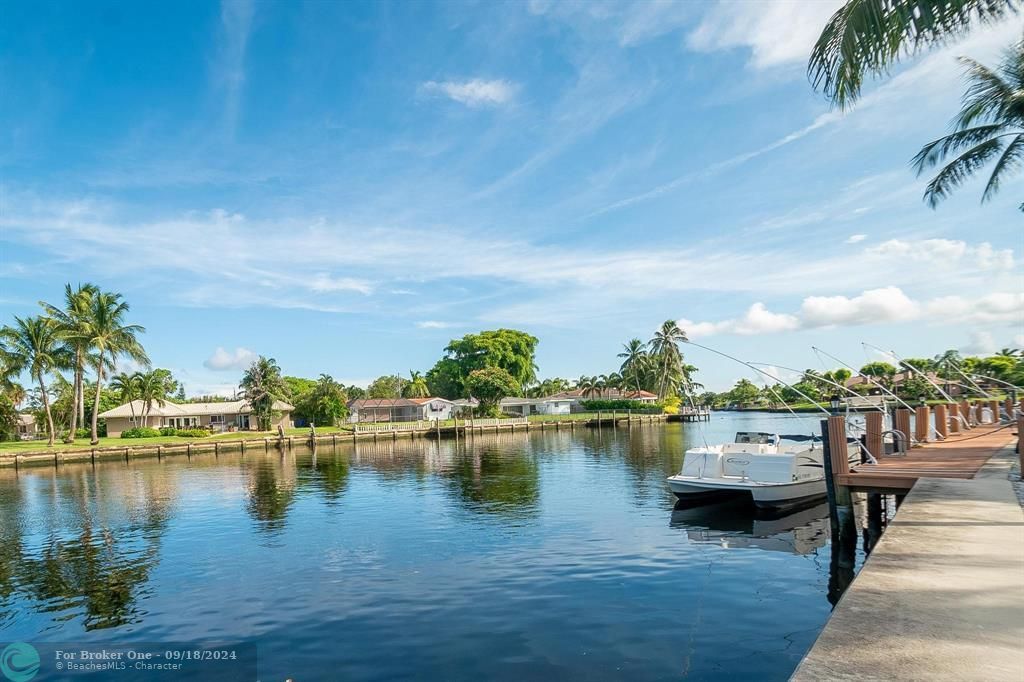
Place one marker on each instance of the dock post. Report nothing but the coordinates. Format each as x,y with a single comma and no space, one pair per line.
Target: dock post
965,412
954,421
922,420
834,459
994,406
873,438
1009,409
902,424
941,422
1020,439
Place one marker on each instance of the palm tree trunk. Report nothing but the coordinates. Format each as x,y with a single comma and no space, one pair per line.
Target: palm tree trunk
96,402
46,405
77,390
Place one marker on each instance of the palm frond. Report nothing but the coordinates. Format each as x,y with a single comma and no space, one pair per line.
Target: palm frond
868,36
1011,160
935,152
960,169
987,96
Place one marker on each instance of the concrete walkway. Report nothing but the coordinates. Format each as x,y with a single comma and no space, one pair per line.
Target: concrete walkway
942,595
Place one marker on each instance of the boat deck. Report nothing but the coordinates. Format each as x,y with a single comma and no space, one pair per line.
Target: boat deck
959,456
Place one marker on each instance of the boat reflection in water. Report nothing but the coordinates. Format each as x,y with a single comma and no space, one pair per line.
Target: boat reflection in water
737,524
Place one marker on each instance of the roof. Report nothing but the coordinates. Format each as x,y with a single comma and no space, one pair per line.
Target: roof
26,419
606,394
169,409
369,403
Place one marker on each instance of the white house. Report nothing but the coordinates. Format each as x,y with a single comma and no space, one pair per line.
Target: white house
399,409
226,416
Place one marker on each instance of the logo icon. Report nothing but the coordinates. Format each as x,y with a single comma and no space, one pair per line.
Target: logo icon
19,662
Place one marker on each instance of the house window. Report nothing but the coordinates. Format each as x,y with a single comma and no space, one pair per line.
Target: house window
216,419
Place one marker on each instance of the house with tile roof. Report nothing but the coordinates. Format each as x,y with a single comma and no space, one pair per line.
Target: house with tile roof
233,415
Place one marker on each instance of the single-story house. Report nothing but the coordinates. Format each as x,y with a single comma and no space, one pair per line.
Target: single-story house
27,429
577,395
231,415
518,407
399,409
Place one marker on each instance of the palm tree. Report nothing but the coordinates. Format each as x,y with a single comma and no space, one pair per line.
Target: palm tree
111,338
72,322
1009,353
634,361
34,344
588,386
263,385
126,386
990,126
665,349
869,36
417,386
154,387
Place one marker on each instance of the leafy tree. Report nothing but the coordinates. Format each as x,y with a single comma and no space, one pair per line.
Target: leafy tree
1009,353
110,338
355,392
416,387
878,370
8,418
921,364
298,387
915,387
708,399
743,393
72,322
667,357
325,404
34,344
388,386
997,366
489,385
635,363
810,389
127,388
990,126
263,385
154,387
946,364
509,349
867,37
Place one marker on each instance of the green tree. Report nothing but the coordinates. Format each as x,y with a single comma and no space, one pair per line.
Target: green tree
110,337
298,387
155,386
947,363
867,37
989,127
263,386
509,349
127,388
34,345
489,385
997,366
416,387
589,387
387,386
72,321
667,357
325,404
743,393
635,363
8,418
878,370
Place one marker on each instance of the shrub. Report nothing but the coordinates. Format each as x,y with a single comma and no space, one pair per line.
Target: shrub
140,432
83,433
594,405
192,433
168,431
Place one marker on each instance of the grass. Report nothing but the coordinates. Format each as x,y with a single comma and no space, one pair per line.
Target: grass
14,447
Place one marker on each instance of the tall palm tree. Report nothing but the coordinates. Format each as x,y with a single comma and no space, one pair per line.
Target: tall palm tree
869,36
417,386
156,387
263,385
126,386
34,345
588,386
72,321
668,358
990,126
634,360
1009,353
110,338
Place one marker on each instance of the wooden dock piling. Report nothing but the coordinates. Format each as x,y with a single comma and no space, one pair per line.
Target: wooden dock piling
941,420
901,422
922,422
874,423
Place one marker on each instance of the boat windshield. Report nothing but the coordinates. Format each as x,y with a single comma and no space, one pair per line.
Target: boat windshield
757,437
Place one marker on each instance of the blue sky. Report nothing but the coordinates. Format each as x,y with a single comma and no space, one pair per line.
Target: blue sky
347,186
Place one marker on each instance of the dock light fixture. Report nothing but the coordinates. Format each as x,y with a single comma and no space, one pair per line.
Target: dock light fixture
834,403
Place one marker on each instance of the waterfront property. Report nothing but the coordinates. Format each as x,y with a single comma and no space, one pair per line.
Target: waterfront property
519,407
27,428
576,396
235,415
399,409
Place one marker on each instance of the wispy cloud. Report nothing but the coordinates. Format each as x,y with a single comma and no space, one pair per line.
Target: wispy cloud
475,92
236,21
223,360
856,238
435,324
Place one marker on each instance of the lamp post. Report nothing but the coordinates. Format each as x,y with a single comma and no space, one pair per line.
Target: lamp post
834,402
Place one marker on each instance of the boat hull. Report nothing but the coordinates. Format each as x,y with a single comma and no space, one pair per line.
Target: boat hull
765,496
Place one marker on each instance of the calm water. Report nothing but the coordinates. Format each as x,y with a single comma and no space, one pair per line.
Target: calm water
525,556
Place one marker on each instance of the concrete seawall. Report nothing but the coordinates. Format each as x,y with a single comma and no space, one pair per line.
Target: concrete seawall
942,595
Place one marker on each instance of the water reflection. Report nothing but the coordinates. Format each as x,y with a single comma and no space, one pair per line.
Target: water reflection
489,480
271,491
735,524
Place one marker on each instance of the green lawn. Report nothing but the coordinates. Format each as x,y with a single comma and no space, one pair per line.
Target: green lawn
11,447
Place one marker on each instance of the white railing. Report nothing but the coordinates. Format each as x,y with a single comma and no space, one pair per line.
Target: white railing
512,421
390,426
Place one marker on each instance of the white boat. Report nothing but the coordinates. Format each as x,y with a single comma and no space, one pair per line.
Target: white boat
774,473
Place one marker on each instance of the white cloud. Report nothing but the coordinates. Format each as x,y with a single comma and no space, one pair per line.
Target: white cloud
855,238
875,306
236,20
775,33
435,324
944,252
475,92
238,359
888,304
323,282
982,343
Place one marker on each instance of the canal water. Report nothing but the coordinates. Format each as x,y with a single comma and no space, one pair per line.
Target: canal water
541,555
